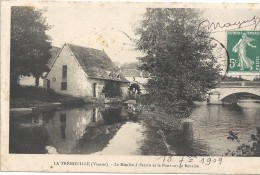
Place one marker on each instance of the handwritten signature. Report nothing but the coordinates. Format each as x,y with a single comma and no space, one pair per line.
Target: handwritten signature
215,26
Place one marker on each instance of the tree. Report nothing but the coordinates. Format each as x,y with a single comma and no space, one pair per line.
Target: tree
178,57
230,78
134,87
30,45
256,78
112,89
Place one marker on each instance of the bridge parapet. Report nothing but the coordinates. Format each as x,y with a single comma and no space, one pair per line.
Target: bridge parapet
252,83
239,84
234,90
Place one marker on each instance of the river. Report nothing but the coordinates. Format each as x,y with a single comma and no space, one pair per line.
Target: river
113,131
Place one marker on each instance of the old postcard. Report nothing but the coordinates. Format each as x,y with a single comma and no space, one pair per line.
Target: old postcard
128,87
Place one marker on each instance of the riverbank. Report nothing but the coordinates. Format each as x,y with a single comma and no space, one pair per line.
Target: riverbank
30,96
27,97
25,100
158,124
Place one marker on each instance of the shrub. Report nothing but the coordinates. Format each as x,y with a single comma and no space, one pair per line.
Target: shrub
247,150
112,89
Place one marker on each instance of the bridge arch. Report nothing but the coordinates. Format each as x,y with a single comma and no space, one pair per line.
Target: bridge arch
234,97
233,91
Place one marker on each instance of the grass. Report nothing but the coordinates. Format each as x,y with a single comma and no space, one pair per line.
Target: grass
156,122
29,96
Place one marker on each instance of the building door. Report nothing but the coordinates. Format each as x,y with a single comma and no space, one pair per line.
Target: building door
94,89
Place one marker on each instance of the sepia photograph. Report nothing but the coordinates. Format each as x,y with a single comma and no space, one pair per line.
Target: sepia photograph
132,79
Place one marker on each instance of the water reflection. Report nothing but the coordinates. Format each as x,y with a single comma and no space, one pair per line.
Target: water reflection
76,130
95,114
107,121
77,122
182,140
114,130
63,125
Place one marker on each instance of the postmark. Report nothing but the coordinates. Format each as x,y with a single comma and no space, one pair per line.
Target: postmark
244,51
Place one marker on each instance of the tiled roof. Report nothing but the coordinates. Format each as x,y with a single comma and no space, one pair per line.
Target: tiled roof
96,63
135,73
131,73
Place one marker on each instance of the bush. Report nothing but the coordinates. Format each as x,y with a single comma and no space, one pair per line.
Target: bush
135,88
130,96
29,92
112,89
23,95
247,150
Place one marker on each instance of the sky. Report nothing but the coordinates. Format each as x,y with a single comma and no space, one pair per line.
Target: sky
100,27
108,27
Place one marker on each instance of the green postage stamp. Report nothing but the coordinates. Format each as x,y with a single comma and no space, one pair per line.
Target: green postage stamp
244,51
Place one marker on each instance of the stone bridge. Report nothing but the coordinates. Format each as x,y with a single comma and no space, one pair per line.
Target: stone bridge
231,92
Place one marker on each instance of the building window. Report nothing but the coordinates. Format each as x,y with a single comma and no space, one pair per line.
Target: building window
64,71
118,76
63,85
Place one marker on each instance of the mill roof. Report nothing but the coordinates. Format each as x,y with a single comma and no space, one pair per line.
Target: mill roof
135,73
131,73
96,63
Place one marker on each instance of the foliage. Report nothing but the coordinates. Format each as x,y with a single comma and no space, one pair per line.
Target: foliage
30,45
178,57
134,87
134,92
28,96
247,150
112,89
257,78
230,78
130,96
113,115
